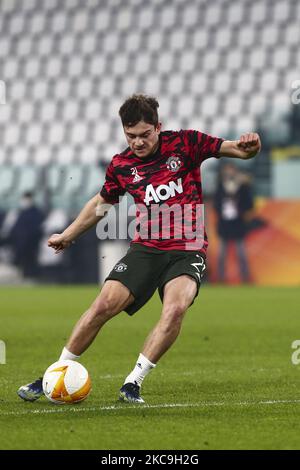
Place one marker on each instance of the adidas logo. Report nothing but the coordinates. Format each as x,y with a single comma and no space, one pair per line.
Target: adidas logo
137,177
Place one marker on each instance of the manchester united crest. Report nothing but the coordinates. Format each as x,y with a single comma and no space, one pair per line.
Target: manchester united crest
173,163
120,267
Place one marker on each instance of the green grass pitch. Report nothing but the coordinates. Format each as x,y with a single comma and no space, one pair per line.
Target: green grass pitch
227,383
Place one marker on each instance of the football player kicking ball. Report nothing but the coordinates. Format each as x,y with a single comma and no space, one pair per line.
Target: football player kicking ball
161,169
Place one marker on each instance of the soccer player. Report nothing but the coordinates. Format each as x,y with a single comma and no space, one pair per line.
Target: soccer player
161,170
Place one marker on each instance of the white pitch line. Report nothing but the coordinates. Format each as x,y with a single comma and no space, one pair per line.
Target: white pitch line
182,374
124,407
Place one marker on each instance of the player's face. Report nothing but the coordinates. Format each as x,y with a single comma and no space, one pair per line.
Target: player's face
143,138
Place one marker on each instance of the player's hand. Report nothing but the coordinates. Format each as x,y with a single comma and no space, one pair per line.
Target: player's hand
250,143
58,242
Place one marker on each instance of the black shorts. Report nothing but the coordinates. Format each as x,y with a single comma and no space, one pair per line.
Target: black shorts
143,270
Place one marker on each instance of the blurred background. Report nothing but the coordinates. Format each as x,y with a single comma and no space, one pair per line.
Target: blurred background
223,67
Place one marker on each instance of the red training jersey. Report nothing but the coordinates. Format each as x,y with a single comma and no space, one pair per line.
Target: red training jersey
166,187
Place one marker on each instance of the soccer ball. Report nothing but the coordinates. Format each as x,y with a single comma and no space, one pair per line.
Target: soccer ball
66,382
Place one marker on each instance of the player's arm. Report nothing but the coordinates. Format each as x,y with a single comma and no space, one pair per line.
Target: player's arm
90,215
246,147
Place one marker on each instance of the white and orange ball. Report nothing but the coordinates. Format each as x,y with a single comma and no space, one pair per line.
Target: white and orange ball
66,382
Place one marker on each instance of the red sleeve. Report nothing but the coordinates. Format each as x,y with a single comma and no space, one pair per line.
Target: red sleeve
112,189
201,146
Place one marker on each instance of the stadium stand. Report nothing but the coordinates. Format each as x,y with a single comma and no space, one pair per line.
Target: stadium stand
222,67
68,67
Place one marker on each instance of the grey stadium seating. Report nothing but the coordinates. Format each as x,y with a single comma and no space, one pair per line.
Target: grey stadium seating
68,65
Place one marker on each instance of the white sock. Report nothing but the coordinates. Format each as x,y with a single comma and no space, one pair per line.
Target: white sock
68,356
142,368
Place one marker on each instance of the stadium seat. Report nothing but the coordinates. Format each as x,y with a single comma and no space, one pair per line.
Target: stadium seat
9,6
167,17
12,135
73,176
57,134
177,40
270,35
246,37
190,16
142,64
20,156
185,106
269,82
101,20
17,91
259,12
152,86
209,106
70,111
213,15
281,103
165,63
7,179
48,111
281,58
17,24
233,105
89,155
234,13
11,68
188,62
220,127
120,65
37,23
80,21
257,59
223,38
198,83
281,12
222,83
176,85
258,104
75,66
154,41
234,60
210,61
245,81
65,154
145,19
101,133
243,124
44,47
292,35
26,112
94,180
28,179
33,135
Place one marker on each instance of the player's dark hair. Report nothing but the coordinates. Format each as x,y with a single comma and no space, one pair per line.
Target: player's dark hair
139,108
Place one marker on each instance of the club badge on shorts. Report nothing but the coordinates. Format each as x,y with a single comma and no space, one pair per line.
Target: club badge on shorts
173,163
120,267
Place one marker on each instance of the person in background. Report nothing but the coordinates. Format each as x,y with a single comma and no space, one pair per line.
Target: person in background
233,203
25,236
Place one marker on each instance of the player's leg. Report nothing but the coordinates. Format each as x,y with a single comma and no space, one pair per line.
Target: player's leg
113,298
243,262
222,259
179,294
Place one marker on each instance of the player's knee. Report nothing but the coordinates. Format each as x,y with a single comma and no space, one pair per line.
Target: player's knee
173,314
104,308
